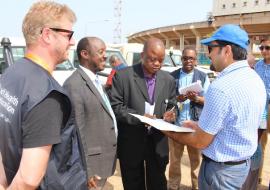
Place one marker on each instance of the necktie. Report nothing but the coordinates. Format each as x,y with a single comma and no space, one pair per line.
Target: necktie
106,100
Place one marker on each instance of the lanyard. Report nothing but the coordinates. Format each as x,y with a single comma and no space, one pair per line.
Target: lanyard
38,61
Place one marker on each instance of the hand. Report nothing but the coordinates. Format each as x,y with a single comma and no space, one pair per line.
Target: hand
149,116
92,182
190,124
192,96
181,98
170,115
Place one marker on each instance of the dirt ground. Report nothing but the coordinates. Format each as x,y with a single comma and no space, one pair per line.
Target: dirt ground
115,183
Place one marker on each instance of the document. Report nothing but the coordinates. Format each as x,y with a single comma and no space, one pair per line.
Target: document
195,87
149,109
161,124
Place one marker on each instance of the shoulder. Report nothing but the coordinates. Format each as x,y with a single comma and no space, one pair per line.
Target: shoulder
74,80
166,75
127,72
200,73
259,64
175,73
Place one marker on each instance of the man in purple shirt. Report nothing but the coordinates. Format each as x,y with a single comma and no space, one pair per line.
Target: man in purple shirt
143,152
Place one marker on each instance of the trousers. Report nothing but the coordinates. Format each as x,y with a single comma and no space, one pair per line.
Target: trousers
176,153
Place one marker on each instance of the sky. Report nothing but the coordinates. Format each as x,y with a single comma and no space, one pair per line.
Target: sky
96,17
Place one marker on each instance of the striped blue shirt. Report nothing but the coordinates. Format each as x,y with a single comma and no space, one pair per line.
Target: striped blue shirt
232,112
185,79
263,71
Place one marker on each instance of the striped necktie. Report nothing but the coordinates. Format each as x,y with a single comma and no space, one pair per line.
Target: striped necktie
106,100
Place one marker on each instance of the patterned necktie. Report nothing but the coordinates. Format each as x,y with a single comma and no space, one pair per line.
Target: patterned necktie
106,100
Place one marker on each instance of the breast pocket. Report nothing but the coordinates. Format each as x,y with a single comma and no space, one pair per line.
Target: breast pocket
94,151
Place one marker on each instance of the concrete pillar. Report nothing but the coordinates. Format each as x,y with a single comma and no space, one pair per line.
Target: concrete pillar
198,44
167,43
181,42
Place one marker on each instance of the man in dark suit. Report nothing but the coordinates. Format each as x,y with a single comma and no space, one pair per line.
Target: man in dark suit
142,151
93,113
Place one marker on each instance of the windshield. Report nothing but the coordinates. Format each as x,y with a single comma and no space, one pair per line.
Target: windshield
109,53
65,66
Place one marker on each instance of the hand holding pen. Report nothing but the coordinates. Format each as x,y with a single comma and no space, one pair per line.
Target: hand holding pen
170,115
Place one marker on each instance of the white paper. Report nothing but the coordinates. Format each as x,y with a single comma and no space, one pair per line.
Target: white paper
161,124
195,87
148,108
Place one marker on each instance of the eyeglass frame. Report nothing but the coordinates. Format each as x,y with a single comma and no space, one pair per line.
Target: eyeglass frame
70,32
187,58
261,48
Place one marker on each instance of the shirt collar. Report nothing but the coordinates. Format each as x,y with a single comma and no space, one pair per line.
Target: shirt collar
182,72
89,73
233,66
148,76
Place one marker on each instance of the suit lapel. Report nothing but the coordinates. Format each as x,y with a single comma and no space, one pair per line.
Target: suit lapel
139,80
93,88
159,85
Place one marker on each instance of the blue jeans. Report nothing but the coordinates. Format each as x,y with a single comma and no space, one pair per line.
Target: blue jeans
219,176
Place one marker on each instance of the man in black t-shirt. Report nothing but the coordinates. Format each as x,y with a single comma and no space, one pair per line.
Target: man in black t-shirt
33,107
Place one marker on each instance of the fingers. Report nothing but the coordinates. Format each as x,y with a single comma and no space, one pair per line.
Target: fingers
92,182
169,116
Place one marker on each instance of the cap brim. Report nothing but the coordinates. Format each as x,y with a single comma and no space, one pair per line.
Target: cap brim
207,41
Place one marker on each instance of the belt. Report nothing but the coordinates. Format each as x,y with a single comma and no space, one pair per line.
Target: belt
226,163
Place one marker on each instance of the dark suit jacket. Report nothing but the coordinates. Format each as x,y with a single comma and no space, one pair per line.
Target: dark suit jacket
128,95
95,124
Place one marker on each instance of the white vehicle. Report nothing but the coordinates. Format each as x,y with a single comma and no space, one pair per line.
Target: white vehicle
61,72
132,54
172,60
103,74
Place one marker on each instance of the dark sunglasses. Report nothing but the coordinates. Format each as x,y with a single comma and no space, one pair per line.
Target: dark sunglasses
187,58
267,48
70,32
211,46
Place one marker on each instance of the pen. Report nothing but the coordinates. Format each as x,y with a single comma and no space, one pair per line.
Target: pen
172,108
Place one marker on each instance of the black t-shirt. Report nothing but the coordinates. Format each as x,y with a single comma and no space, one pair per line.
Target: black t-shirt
43,123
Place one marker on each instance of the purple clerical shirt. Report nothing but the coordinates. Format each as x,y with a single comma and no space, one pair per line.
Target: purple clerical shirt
150,84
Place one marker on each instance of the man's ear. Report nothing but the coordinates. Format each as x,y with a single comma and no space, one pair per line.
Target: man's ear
142,55
84,54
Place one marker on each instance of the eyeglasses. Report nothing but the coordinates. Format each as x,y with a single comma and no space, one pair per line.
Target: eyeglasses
211,46
267,48
70,32
187,58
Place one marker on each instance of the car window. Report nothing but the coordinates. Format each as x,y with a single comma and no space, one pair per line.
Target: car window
65,66
177,59
167,61
136,58
108,54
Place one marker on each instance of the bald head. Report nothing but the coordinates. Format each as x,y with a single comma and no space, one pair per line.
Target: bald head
89,44
153,55
153,43
91,52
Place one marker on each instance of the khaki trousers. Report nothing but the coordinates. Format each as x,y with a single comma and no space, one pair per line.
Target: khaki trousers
176,153
264,140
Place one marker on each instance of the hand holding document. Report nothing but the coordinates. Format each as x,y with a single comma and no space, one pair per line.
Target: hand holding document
195,87
161,124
